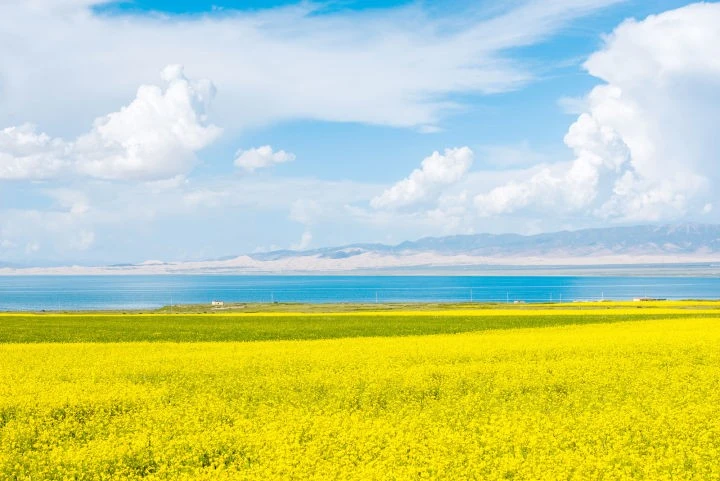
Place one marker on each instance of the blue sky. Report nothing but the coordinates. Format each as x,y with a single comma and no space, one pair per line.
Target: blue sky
190,130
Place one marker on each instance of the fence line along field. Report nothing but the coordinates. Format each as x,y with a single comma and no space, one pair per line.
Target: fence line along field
593,400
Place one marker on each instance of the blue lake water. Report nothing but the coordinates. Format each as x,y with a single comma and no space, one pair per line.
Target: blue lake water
19,293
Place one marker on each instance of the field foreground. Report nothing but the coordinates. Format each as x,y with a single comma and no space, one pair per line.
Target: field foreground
627,400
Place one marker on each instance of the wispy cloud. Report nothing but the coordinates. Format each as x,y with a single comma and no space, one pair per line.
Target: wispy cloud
388,67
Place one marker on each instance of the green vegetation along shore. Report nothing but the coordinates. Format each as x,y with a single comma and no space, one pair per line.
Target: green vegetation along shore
297,322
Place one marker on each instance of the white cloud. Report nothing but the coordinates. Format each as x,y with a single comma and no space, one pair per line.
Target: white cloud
600,153
154,137
435,172
304,243
451,213
271,65
646,148
261,157
26,154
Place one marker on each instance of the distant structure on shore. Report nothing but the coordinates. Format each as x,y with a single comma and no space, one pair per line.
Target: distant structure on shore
217,303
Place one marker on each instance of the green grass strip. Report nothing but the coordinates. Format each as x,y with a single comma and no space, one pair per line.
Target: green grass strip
223,327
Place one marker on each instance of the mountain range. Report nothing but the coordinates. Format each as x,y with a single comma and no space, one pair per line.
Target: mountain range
641,240
623,246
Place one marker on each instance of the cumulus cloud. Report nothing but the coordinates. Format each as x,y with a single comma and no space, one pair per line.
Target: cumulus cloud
260,157
600,154
435,172
154,137
27,154
646,148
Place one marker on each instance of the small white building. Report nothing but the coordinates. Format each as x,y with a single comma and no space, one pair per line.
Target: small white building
217,303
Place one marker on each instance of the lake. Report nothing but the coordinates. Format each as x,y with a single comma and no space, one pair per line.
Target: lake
22,293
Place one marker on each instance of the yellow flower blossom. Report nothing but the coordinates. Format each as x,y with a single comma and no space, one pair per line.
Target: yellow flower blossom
632,400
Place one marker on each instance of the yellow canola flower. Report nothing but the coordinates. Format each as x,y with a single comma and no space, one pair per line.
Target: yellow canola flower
606,401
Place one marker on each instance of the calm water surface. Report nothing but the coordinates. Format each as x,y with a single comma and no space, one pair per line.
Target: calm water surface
144,292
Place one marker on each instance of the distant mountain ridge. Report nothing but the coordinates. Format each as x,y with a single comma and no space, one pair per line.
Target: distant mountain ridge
678,245
626,240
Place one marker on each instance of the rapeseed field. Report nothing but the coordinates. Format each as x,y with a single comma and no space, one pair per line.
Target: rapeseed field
622,400
295,324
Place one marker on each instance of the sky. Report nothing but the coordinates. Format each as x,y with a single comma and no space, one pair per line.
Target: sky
187,130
